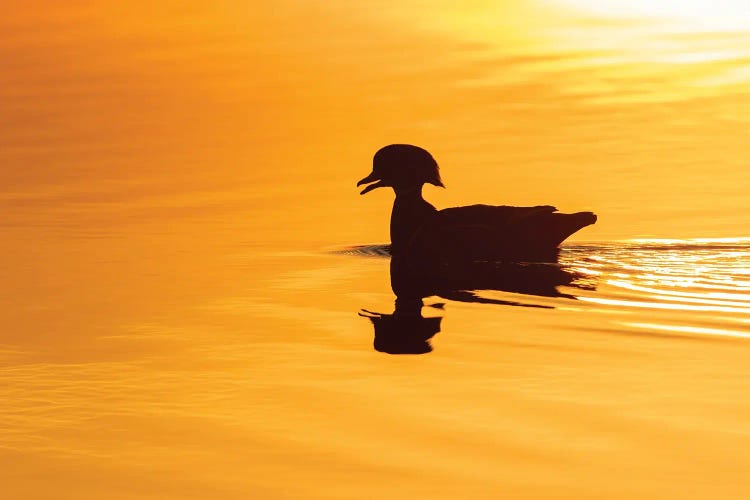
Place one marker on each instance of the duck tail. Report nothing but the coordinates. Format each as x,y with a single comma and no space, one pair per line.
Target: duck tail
566,224
585,218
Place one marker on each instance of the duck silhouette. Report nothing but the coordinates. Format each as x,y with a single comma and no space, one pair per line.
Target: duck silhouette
424,238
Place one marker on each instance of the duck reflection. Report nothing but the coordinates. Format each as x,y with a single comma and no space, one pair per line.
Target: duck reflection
406,331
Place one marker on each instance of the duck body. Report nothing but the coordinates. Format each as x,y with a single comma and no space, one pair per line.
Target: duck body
424,239
493,233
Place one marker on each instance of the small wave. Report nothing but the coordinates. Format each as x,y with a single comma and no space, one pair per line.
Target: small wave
382,251
671,287
664,245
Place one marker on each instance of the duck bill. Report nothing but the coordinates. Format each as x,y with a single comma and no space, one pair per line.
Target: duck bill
372,178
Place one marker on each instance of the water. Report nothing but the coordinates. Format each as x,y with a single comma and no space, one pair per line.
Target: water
191,284
202,360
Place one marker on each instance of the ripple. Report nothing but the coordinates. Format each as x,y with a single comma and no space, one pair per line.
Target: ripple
365,251
681,287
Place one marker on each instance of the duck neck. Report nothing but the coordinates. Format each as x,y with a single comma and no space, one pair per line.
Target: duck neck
410,212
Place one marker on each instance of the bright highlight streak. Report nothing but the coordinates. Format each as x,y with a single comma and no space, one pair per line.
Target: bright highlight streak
654,305
695,330
728,299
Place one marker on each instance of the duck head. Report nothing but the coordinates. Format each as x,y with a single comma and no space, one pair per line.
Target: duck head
403,167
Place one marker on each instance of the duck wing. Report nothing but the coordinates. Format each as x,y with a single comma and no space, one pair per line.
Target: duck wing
486,232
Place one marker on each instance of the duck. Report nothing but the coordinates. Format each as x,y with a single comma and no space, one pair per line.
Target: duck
427,238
